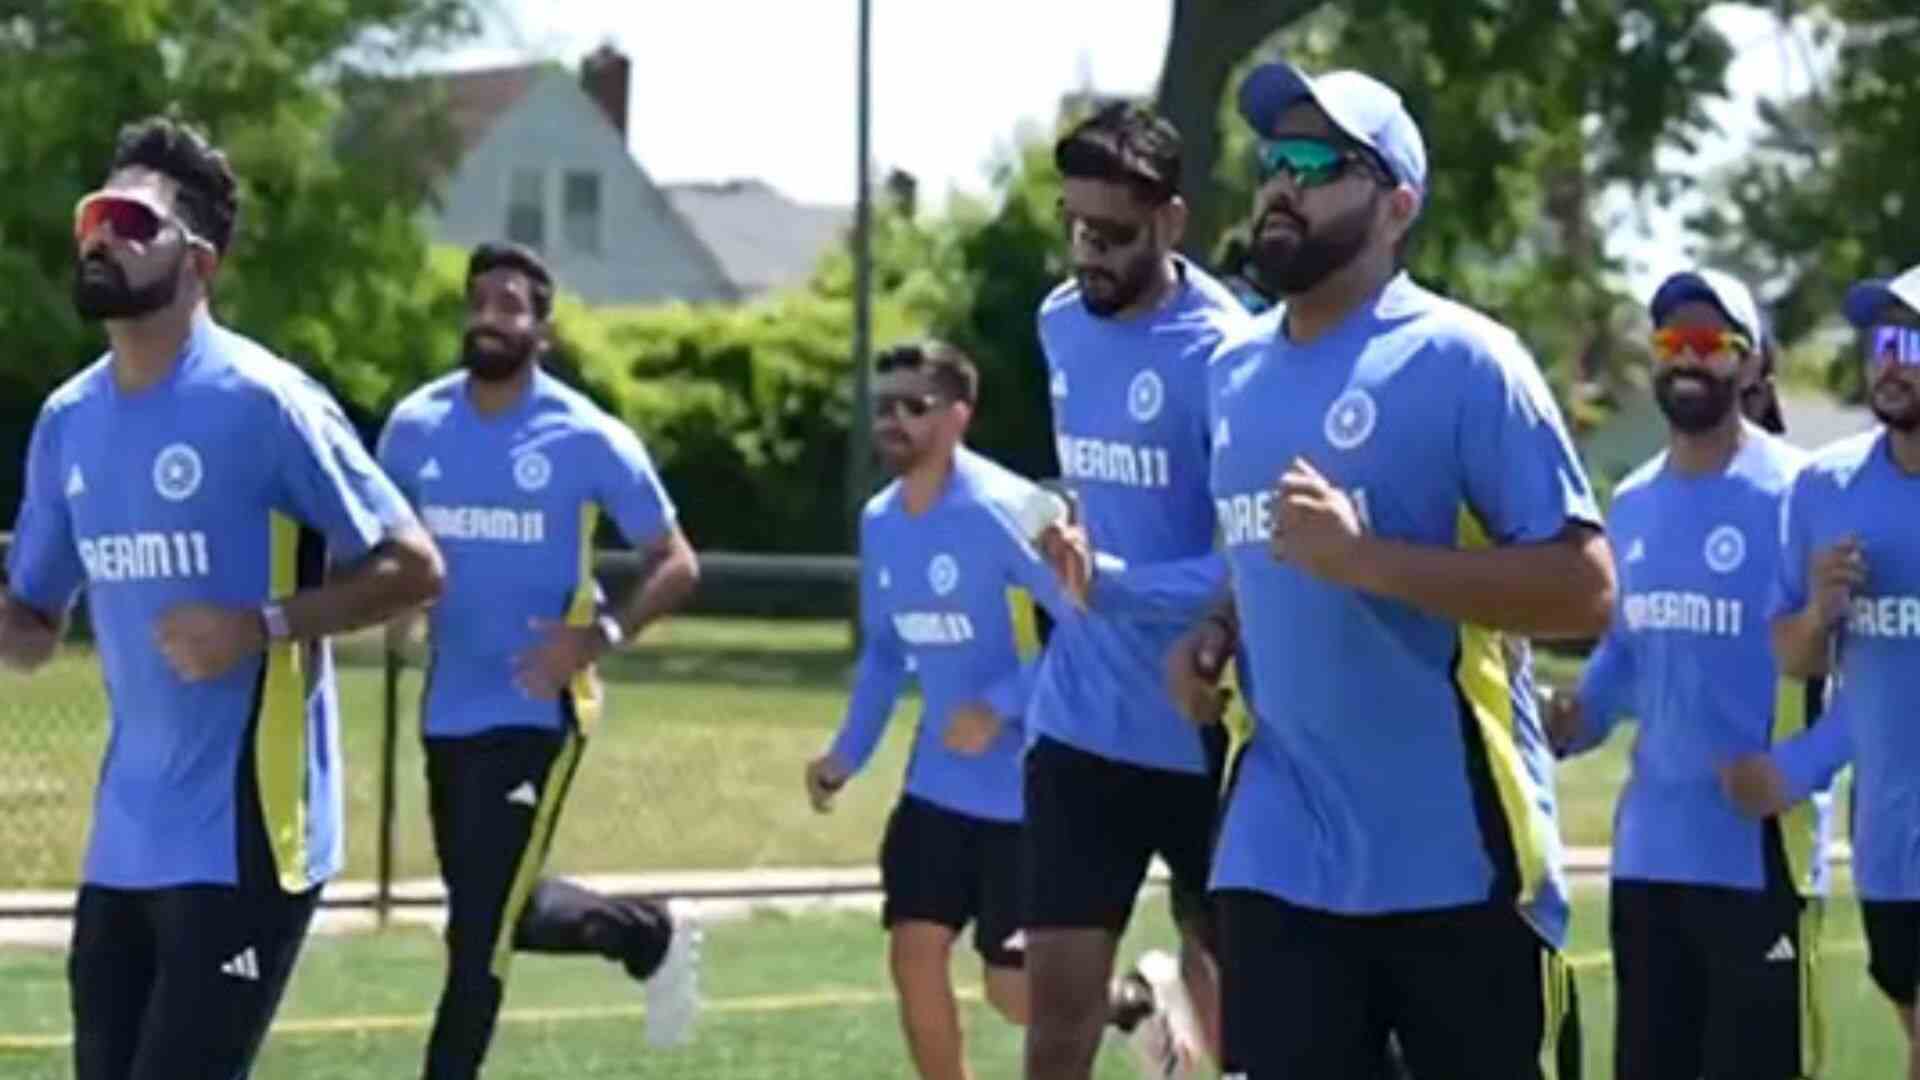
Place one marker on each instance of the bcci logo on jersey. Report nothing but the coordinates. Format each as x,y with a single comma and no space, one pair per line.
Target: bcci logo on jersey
532,471
177,472
1350,420
943,574
1145,395
1726,549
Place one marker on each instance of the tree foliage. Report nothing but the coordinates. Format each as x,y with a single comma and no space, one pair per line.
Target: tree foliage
745,408
1501,87
329,264
1828,194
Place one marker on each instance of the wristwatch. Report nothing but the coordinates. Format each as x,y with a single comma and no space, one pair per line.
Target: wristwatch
610,631
274,618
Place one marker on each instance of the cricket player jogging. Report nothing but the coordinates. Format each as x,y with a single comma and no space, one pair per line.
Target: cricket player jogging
1114,774
1401,510
949,584
1714,915
223,521
512,472
1847,603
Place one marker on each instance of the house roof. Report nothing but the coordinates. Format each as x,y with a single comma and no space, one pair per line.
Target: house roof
477,98
429,123
763,239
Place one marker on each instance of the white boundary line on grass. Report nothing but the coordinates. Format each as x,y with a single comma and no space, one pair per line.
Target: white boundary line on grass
341,1025
762,1003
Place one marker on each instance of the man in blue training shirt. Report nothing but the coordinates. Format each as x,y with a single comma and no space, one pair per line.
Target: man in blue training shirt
511,470
1401,509
1847,603
223,522
1713,942
1114,775
948,585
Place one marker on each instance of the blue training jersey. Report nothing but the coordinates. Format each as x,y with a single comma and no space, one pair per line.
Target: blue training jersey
948,596
1689,654
513,500
1130,428
1398,762
1854,488
231,481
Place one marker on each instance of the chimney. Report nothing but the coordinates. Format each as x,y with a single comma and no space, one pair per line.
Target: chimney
605,75
904,189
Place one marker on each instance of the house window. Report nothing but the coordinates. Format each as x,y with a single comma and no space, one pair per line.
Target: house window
581,211
527,208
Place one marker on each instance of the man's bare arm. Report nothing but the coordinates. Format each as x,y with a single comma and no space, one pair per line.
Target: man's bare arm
1802,643
669,572
28,637
1562,588
402,573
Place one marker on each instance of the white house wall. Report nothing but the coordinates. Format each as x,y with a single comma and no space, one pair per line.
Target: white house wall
646,252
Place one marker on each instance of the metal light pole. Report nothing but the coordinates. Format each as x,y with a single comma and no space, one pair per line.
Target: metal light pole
859,445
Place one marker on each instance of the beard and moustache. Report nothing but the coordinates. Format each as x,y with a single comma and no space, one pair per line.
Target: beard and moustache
494,357
1904,420
1694,412
101,289
898,453
1127,286
1294,265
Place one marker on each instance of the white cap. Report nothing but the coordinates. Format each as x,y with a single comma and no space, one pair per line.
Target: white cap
1866,298
1369,111
1722,290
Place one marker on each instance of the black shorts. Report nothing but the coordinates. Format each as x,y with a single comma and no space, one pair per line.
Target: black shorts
1191,906
1093,827
179,981
942,866
1893,947
1714,982
1468,992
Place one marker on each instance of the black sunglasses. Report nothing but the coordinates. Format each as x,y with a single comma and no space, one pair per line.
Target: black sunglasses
1104,233
916,405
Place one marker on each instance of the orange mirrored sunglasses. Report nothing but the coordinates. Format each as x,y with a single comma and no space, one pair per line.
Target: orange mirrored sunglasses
1671,342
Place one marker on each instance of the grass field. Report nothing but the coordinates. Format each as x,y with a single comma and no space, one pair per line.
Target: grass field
697,765
789,998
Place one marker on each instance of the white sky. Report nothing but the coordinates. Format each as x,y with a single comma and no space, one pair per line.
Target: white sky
765,88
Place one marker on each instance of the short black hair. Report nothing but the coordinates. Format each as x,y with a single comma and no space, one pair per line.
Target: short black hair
521,258
1761,401
209,196
1126,144
952,371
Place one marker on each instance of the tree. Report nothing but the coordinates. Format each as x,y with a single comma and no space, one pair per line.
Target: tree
329,265
1828,194
1209,41
1498,85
